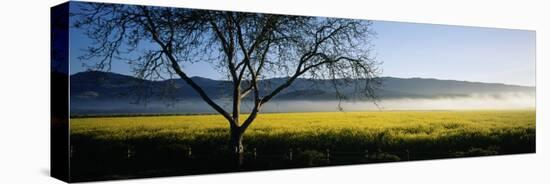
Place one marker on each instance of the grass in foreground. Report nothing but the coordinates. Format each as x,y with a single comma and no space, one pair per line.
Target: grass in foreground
348,137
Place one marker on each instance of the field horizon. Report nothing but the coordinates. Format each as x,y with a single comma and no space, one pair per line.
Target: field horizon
299,112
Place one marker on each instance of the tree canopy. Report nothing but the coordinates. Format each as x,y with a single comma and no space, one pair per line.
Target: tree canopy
246,47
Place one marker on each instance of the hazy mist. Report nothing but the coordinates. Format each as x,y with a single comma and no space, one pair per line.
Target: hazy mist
470,102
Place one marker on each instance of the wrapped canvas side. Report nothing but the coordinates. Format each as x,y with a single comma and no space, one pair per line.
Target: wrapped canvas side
59,77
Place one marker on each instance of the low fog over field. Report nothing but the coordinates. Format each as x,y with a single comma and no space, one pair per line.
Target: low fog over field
95,93
473,102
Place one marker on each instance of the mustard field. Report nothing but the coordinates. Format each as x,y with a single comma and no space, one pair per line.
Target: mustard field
394,126
189,144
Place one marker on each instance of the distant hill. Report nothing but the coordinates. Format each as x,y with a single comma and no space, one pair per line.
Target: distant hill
95,85
97,92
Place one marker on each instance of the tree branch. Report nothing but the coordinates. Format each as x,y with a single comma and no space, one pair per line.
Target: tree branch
175,66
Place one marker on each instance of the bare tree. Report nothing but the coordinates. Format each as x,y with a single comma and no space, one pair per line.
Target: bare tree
247,47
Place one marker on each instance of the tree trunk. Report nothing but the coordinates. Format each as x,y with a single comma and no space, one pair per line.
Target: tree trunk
236,133
237,145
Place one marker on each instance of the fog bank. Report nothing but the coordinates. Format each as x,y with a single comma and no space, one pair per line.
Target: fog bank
471,102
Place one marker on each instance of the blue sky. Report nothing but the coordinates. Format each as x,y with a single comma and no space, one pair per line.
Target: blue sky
456,52
415,50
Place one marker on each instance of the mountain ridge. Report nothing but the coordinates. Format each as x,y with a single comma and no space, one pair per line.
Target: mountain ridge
107,85
382,77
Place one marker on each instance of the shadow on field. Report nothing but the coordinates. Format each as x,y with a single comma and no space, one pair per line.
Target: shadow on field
95,159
